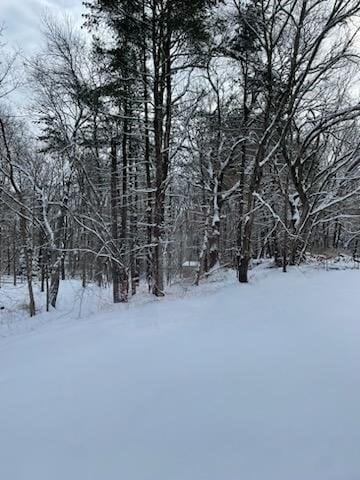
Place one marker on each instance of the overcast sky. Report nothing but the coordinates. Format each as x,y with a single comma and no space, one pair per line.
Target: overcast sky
22,19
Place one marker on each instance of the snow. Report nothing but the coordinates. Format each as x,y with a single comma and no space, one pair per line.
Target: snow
255,382
74,302
295,203
191,263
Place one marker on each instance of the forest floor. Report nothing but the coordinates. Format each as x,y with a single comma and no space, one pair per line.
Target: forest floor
230,382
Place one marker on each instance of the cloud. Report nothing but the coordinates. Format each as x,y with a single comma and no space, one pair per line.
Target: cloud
22,20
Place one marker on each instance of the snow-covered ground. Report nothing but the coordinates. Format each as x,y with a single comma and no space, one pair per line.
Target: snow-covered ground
255,382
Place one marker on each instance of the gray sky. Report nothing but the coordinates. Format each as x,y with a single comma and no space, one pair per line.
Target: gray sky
22,22
22,19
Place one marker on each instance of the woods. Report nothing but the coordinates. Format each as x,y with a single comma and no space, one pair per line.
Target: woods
168,133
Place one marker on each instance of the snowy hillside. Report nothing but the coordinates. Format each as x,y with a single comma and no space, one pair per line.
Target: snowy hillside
259,382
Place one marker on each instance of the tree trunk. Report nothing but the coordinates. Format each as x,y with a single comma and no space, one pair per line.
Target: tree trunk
28,262
162,128
119,275
147,158
286,210
245,253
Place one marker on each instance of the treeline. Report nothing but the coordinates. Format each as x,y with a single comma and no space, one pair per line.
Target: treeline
171,134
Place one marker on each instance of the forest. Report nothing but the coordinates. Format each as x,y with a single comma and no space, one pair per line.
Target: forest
168,138
179,239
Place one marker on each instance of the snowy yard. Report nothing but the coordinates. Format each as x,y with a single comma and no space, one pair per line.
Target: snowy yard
258,382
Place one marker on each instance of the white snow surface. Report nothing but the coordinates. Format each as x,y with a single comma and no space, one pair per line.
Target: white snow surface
251,382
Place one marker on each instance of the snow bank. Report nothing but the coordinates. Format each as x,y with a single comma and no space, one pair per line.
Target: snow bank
76,302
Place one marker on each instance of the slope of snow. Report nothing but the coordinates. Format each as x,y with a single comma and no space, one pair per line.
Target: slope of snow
258,382
75,303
